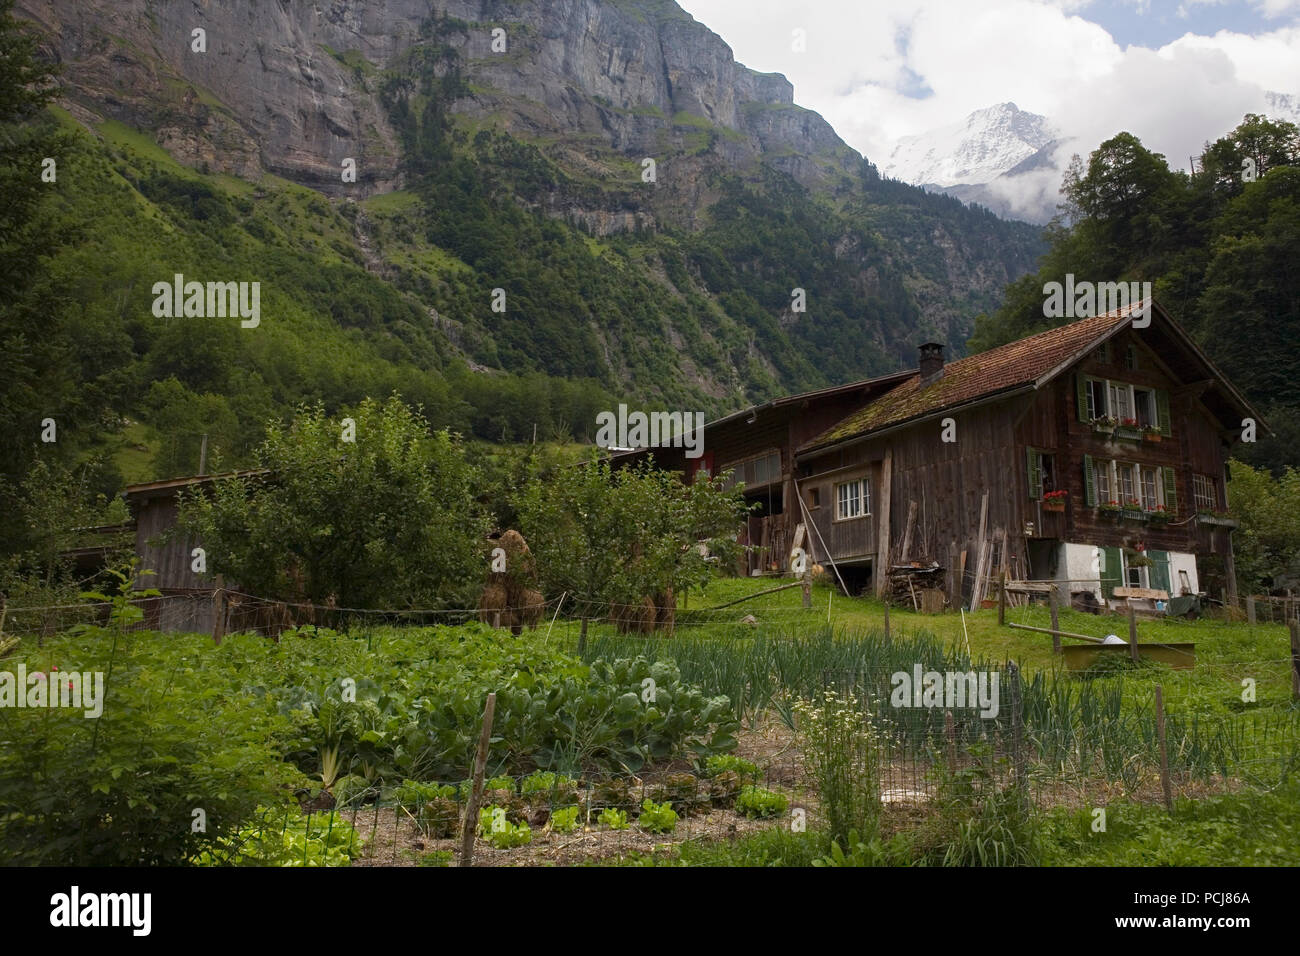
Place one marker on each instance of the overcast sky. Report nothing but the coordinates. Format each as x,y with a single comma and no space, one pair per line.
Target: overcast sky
1176,74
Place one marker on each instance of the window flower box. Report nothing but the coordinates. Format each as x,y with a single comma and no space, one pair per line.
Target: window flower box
1109,509
1159,515
1132,511
1128,433
1054,500
1151,434
1217,519
1105,425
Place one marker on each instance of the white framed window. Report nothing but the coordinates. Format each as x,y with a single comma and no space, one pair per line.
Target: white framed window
1121,400
1144,408
1101,476
852,499
1205,493
1124,483
1150,488
760,470
1095,394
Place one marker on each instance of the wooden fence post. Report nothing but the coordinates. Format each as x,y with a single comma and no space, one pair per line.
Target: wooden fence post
218,615
1132,631
886,619
476,793
807,585
1056,620
1164,750
1002,600
1295,659
1250,610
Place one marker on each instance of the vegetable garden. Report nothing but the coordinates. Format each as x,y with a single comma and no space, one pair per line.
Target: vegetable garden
357,747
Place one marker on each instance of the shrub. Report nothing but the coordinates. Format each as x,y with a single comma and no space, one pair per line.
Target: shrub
179,731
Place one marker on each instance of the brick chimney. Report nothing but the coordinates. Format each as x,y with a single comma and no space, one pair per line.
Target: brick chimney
931,362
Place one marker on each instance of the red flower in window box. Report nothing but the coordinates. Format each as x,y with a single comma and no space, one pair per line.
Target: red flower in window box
1055,500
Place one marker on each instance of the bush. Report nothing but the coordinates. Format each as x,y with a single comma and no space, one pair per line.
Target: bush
179,732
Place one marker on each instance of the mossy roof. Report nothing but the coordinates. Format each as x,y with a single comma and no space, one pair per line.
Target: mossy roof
975,377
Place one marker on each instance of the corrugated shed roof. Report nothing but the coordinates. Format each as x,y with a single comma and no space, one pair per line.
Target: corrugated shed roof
977,376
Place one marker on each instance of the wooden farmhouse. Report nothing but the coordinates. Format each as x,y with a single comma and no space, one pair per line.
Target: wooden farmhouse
1093,455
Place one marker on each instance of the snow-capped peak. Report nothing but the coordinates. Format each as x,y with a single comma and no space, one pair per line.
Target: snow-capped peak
977,149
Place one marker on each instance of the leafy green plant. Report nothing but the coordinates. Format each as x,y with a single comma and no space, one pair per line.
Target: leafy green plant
564,820
612,818
287,838
500,832
875,852
719,763
657,817
413,792
757,802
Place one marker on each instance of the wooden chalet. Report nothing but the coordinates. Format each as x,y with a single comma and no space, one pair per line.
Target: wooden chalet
962,465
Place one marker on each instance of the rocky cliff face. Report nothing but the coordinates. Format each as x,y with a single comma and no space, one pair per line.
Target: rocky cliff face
292,88
296,88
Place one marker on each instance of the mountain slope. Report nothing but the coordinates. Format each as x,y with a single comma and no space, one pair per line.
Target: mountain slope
520,171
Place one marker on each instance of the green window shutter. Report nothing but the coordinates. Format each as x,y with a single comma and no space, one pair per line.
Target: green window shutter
1081,397
1170,477
1159,570
1089,486
1035,462
1162,412
1112,570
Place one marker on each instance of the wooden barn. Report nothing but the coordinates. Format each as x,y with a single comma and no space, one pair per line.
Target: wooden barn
187,597
963,464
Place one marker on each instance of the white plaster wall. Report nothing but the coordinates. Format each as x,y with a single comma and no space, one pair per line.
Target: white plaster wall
1076,564
1180,561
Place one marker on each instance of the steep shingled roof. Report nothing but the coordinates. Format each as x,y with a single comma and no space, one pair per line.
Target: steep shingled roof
968,379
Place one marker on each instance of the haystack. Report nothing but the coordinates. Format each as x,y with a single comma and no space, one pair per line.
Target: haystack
510,598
